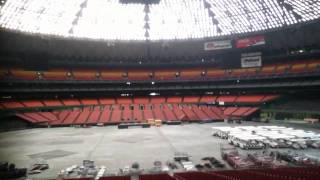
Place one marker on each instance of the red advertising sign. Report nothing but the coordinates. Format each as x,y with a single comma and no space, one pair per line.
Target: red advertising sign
250,41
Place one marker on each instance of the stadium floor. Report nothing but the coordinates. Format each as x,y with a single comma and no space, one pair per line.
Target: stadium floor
111,147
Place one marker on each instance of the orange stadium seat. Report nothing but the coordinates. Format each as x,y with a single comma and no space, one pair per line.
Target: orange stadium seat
84,74
191,73
139,74
238,72
215,73
24,74
165,74
58,74
298,67
282,68
112,74
252,71
267,70
313,65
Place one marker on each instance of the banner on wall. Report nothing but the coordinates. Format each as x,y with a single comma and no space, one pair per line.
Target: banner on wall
251,60
216,45
250,41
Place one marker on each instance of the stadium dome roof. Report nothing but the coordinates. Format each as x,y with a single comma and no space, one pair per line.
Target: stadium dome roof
159,20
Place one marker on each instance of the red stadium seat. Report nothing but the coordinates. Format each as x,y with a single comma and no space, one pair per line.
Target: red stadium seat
32,103
148,114
207,99
249,98
116,116
71,102
107,101
226,98
199,113
174,99
51,103
124,100
71,118
191,99
169,114
229,110
141,100
89,102
105,115
157,100
241,111
12,104
190,114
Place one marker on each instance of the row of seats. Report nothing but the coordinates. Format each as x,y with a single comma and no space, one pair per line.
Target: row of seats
293,173
113,115
138,100
164,74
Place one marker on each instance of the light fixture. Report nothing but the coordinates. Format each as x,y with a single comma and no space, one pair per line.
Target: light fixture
154,94
165,20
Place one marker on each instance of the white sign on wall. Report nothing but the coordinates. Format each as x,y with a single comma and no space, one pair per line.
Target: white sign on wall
251,60
216,45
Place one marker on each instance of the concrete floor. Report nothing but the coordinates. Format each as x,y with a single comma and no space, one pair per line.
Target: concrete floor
109,146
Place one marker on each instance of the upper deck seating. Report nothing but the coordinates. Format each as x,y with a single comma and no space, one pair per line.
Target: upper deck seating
85,74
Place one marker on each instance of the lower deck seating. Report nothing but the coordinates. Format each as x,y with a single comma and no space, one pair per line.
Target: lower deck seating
207,99
290,173
136,113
